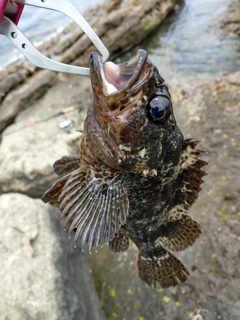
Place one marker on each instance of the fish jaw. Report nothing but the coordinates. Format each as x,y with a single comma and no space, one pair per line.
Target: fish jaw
115,92
113,79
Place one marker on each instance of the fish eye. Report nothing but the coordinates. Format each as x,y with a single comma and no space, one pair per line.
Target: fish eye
158,109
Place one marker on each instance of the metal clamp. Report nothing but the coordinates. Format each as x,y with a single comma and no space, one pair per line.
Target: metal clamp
11,9
11,31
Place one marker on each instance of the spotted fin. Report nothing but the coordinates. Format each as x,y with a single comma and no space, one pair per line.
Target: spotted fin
63,167
54,192
163,268
95,208
190,176
67,164
179,233
120,242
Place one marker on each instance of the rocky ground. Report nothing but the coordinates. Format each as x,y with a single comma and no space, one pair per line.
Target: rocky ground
42,276
231,24
45,278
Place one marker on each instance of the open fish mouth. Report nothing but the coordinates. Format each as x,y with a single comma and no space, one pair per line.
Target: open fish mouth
116,78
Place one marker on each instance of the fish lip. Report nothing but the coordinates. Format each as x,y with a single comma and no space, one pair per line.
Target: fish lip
122,76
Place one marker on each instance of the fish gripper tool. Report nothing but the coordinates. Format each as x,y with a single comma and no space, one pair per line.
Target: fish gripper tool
10,13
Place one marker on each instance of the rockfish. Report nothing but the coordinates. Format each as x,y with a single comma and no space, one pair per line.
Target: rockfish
136,175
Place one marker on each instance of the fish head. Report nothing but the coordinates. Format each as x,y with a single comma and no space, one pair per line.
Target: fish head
133,112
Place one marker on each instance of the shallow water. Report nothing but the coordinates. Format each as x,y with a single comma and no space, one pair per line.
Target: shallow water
190,41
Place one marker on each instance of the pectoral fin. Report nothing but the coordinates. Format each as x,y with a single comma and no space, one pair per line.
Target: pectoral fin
63,168
54,192
94,207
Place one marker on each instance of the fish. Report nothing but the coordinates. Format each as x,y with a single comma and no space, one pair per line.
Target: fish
136,176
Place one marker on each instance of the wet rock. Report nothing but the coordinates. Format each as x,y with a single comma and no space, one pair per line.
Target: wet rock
27,156
125,25
33,89
41,275
233,78
8,82
231,22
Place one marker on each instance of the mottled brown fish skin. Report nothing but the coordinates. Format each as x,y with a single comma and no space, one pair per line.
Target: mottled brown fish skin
136,176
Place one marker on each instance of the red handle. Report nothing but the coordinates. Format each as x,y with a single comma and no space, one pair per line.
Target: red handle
15,14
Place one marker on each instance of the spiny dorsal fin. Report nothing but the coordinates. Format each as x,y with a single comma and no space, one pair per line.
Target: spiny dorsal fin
94,207
190,175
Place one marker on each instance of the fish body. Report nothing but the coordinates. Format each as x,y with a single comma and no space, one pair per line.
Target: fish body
136,176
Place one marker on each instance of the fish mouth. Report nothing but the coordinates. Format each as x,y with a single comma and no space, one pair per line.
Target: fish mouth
116,79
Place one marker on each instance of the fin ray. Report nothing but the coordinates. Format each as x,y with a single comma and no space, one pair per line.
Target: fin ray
73,204
179,233
164,269
94,226
86,226
54,192
94,207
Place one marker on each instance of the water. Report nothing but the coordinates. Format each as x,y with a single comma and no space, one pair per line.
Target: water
190,41
38,25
